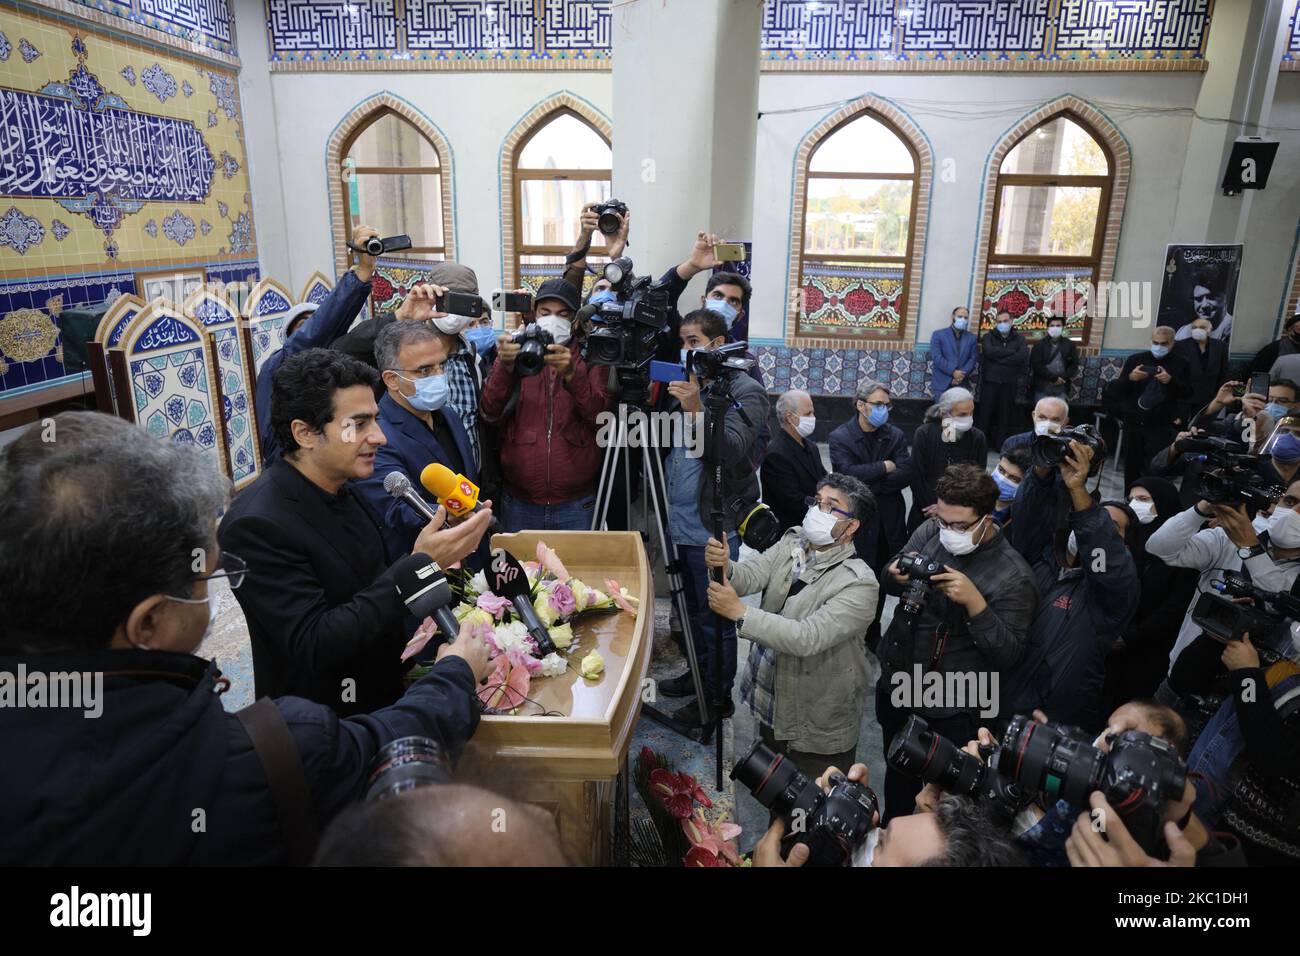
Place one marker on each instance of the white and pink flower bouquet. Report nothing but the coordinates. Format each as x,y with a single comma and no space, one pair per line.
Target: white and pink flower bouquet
559,599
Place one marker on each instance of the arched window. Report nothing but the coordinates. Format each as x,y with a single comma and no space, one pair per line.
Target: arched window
1051,207
559,165
398,182
859,217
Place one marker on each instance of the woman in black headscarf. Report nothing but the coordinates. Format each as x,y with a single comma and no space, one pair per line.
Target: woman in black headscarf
1138,665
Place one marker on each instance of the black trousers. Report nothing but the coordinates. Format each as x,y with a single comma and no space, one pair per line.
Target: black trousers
1141,444
877,563
900,790
993,413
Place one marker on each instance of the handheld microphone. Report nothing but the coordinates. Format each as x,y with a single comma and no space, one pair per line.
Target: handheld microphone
506,578
399,486
457,493
424,590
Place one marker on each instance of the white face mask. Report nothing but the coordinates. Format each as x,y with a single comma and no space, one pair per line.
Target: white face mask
1284,528
1043,426
559,327
1055,331
807,425
819,527
1200,335
1072,545
959,425
960,542
1145,510
1260,524
452,324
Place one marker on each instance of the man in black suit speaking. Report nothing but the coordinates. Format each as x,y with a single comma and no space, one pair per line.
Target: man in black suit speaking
321,602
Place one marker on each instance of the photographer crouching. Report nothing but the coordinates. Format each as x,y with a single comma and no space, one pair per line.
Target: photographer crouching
963,619
807,679
690,491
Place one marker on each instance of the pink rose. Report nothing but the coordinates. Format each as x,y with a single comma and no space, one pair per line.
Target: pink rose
562,600
493,604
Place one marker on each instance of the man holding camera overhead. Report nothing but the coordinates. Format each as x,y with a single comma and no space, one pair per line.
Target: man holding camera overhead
1089,585
971,616
545,399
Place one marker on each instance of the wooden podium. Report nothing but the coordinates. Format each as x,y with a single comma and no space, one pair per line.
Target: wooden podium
570,764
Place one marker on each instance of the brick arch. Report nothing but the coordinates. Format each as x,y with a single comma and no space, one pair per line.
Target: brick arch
920,144
540,112
1117,150
357,117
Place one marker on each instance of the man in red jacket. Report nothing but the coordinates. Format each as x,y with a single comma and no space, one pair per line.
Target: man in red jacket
548,422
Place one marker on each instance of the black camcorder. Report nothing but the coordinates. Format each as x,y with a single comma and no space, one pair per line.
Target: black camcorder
919,570
1139,776
1229,475
1225,615
404,764
833,824
1046,451
375,246
715,363
609,216
628,330
533,340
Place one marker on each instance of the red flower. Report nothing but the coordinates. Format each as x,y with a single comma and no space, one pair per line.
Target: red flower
648,759
699,856
678,792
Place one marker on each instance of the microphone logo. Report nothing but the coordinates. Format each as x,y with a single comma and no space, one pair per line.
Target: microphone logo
505,572
467,489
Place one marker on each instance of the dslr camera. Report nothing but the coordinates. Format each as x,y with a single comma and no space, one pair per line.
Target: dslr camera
609,216
1230,475
404,764
833,824
533,340
919,570
918,751
715,363
1046,451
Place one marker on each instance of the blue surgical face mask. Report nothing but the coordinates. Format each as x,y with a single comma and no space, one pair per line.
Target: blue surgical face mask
960,324
1006,487
430,393
482,337
1159,351
1275,411
1287,447
723,308
603,295
1004,327
878,416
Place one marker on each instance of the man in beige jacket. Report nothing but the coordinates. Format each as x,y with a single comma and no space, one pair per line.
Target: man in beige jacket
807,678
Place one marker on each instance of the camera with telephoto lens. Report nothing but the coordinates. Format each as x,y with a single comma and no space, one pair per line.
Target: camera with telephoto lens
919,570
832,824
609,216
755,522
918,751
1224,616
533,340
1138,777
404,764
1229,475
1046,451
713,364
630,329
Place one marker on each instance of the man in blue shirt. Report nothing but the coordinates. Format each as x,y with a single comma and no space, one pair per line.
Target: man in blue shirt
953,353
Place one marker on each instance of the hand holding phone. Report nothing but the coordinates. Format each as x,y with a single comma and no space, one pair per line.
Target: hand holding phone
460,303
729,252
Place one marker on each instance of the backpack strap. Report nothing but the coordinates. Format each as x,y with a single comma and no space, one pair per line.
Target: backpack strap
279,757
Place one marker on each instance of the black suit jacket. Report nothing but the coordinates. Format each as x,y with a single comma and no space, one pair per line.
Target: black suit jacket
320,596
790,474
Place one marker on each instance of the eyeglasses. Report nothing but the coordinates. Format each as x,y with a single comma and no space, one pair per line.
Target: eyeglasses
959,526
424,371
231,567
877,404
826,507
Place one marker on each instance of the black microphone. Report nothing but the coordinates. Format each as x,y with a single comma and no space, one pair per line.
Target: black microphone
399,486
506,578
424,590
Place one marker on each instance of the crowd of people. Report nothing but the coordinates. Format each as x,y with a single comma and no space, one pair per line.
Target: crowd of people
1013,576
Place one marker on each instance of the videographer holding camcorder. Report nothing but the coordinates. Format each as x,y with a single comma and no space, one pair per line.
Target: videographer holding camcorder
966,600
546,400
1086,577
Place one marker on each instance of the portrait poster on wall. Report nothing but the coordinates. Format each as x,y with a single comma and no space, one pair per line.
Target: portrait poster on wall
1200,282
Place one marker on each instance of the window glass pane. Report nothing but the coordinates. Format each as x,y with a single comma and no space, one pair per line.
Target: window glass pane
865,145
1060,147
860,216
550,209
391,141
841,298
1034,294
402,204
566,142
1047,220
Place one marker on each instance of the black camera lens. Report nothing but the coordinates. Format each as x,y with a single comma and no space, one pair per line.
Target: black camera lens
919,752
374,245
533,341
407,763
776,782
1052,759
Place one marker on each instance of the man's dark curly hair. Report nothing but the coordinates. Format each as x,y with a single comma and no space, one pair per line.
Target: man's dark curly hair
303,388
969,486
972,835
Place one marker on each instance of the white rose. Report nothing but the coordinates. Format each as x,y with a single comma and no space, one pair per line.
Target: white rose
562,635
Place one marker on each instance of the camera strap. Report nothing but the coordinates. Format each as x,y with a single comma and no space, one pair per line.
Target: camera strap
290,792
577,255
